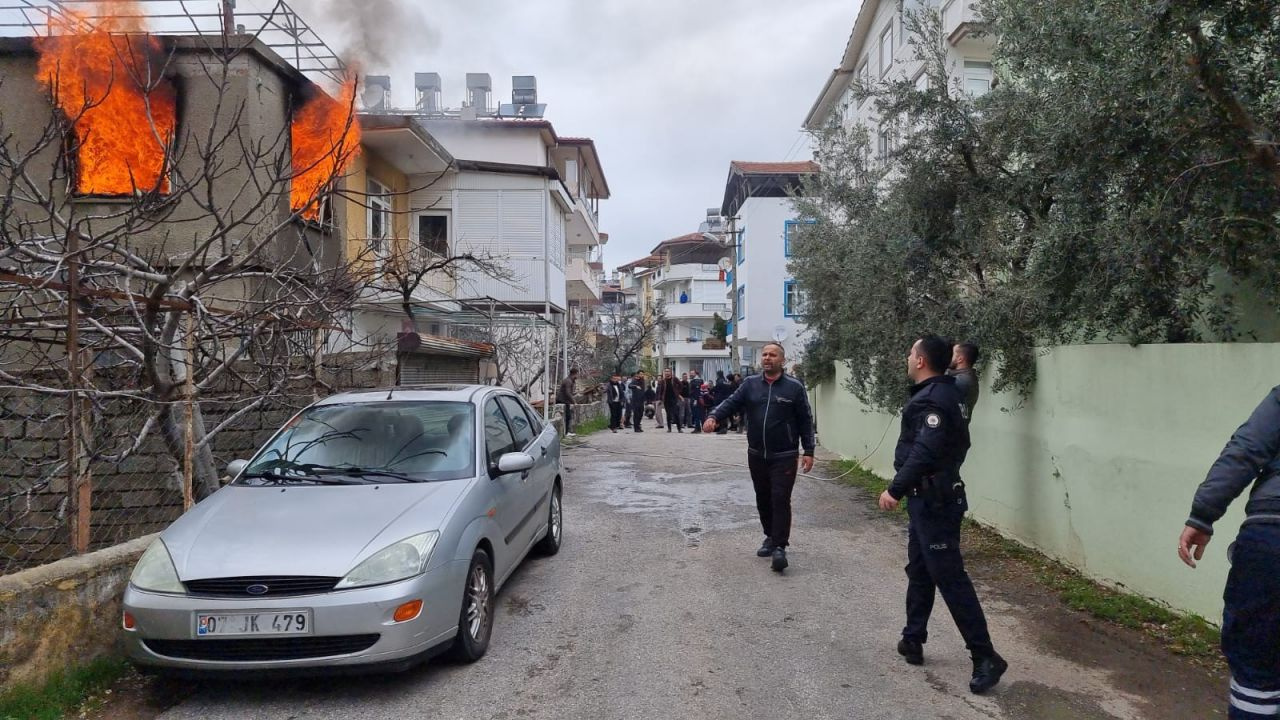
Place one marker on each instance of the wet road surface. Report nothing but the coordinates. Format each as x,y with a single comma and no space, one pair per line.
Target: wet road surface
657,607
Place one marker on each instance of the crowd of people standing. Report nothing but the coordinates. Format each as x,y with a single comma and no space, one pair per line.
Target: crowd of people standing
668,401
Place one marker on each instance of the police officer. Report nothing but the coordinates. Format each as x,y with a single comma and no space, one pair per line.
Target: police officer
931,447
778,418
1251,603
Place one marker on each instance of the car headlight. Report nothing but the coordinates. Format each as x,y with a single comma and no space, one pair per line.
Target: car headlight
155,571
395,562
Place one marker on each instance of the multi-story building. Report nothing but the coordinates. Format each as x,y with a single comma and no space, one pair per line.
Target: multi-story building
514,194
635,280
879,49
769,304
689,283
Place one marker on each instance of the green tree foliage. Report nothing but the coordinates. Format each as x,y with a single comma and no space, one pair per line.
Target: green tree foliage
1119,183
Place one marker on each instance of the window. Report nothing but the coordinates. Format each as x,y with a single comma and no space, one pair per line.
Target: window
742,302
886,49
977,77
790,230
696,365
535,422
864,78
498,439
793,299
742,246
433,233
379,217
519,421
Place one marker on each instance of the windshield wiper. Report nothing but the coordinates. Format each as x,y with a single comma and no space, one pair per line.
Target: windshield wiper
359,472
277,477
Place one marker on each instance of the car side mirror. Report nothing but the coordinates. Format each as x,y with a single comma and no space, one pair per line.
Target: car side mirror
514,462
235,467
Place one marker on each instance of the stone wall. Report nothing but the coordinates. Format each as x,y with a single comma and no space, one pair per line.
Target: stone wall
64,613
139,495
581,414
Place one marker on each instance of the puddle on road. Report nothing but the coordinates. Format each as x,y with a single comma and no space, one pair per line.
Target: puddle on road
695,502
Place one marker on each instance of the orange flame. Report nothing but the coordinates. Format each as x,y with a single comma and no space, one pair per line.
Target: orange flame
326,138
123,113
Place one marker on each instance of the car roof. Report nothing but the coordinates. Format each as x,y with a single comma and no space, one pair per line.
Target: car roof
422,393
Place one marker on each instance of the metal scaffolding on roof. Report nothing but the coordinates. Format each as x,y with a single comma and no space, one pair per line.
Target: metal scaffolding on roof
272,22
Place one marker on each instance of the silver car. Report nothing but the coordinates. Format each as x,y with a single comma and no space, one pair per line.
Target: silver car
374,528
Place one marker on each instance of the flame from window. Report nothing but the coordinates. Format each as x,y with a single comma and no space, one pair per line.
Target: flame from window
105,78
326,138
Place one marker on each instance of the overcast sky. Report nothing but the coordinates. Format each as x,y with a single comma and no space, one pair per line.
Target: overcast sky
670,90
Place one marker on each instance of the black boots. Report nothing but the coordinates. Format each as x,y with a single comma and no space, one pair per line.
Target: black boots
912,650
986,673
779,559
766,548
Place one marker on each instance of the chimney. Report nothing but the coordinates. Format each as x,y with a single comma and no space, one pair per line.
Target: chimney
524,90
479,85
428,86
377,93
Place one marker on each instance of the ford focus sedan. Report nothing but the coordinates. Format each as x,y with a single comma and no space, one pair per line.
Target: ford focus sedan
372,530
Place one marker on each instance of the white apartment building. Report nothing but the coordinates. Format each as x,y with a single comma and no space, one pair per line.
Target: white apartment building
689,283
499,184
879,49
769,304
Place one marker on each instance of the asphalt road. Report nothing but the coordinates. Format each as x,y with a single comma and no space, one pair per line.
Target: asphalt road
657,607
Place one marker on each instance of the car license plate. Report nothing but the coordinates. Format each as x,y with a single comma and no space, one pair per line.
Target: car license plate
280,622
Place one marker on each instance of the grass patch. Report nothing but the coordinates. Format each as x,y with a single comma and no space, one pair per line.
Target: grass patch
591,426
853,474
1188,635
64,692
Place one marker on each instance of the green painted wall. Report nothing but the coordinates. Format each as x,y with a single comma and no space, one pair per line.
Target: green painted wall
1098,466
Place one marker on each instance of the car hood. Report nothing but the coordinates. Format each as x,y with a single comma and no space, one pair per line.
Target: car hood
323,531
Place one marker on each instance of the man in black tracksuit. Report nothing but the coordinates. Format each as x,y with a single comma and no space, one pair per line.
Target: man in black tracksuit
778,419
1251,603
931,447
670,395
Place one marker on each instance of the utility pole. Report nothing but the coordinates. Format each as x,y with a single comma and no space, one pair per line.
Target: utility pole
733,296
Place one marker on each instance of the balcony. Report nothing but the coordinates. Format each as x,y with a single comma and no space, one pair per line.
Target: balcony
685,272
582,229
959,21
581,282
679,310
691,349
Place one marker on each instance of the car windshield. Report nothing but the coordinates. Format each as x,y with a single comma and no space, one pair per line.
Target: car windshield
385,442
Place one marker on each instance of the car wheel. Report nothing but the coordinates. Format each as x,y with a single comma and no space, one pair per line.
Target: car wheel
475,623
550,543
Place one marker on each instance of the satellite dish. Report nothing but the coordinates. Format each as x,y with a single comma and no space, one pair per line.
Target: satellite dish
725,264
779,333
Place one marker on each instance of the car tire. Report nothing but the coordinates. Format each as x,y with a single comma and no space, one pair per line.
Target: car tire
550,543
475,621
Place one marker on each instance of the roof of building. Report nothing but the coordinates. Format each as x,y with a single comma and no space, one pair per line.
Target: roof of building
775,168
763,180
645,262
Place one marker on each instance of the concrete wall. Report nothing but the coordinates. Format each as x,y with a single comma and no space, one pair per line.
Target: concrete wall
1099,465
62,614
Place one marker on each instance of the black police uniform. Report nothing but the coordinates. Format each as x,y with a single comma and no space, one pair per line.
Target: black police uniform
931,447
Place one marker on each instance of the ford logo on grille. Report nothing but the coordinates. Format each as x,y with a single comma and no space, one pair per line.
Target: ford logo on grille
257,589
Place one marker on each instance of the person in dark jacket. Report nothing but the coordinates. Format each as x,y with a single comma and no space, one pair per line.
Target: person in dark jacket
719,394
669,396
1251,603
615,395
963,357
778,418
932,445
564,396
636,389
